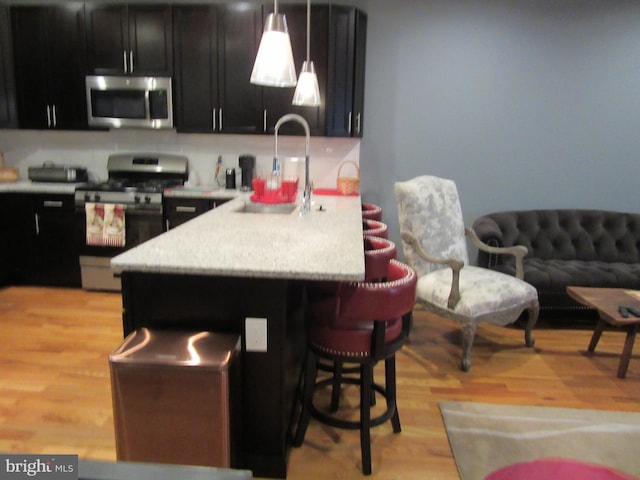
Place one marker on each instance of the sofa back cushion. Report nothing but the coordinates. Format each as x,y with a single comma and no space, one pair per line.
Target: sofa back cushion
572,234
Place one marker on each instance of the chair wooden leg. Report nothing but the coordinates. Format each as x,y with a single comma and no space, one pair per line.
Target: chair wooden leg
307,397
366,378
468,335
532,319
390,387
336,386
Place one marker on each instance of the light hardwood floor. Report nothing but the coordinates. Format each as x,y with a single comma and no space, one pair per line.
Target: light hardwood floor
55,389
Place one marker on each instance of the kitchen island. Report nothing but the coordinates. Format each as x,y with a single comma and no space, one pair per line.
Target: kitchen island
226,266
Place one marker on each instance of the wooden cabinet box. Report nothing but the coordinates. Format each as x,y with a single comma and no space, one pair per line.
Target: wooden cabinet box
8,114
215,47
50,66
55,254
177,210
16,242
127,39
347,45
38,246
208,50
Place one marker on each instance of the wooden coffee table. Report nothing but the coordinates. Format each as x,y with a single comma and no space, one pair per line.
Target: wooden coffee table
606,302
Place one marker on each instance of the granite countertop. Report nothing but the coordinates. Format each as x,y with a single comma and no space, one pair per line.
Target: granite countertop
323,245
201,191
27,186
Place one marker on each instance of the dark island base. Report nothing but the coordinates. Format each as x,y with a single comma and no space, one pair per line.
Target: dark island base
221,304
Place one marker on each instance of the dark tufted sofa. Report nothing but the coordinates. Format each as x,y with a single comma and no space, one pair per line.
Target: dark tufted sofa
589,248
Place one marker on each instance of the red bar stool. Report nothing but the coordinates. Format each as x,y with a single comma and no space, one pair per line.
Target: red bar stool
378,252
374,228
371,212
363,323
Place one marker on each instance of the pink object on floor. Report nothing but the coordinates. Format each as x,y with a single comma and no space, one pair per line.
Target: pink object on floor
557,468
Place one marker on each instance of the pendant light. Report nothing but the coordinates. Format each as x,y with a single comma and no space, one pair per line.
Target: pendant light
274,66
307,92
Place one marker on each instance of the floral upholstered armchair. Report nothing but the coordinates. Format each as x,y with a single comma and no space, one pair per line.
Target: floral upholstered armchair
434,244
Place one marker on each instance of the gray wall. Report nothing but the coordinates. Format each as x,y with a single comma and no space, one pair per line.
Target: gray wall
524,103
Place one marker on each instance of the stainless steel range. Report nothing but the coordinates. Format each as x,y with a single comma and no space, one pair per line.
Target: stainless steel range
122,212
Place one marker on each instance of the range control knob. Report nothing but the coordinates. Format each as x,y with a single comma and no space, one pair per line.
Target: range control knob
147,199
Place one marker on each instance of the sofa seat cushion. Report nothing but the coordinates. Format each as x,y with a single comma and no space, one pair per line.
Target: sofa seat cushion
556,275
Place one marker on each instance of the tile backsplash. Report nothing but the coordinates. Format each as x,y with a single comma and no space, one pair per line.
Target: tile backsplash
25,148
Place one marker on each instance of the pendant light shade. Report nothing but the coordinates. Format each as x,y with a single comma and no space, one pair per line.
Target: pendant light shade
307,92
274,66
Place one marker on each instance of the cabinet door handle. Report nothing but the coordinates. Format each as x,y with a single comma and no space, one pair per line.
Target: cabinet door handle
214,119
130,61
349,124
183,209
48,116
52,203
264,120
37,220
54,116
167,227
124,60
358,123
220,120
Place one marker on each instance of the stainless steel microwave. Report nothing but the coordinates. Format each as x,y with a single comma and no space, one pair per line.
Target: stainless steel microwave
139,102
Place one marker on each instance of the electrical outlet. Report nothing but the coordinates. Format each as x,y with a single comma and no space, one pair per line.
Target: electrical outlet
255,334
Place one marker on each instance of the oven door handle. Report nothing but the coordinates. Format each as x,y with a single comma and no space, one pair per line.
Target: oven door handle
143,212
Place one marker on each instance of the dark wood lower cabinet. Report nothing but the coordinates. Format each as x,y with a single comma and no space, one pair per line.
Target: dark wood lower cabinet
55,253
177,210
38,245
221,304
17,239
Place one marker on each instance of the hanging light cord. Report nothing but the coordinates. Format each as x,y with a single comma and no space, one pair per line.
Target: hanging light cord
275,7
308,26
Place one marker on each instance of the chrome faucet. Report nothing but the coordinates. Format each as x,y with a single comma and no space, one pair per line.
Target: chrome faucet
306,198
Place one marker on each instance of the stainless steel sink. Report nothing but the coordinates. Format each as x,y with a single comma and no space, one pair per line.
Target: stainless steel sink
271,208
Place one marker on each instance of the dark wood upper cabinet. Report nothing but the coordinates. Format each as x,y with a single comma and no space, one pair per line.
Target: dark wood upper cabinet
277,101
345,90
196,66
215,47
207,48
337,49
129,39
50,66
8,114
240,102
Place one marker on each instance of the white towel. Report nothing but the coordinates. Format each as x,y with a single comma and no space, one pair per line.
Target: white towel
95,220
105,224
113,227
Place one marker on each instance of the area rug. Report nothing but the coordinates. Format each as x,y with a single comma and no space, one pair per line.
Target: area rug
485,437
